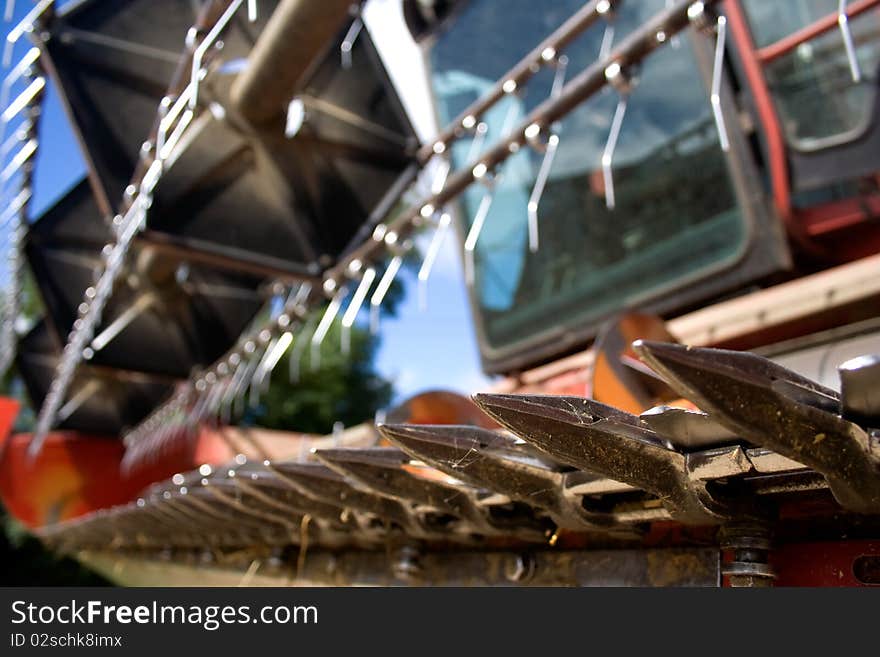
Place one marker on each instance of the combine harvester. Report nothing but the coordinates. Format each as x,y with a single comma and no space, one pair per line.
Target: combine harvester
668,217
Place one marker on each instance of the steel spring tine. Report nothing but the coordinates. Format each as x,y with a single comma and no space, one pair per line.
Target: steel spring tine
538,190
256,382
281,346
431,256
607,41
202,48
382,289
324,326
717,75
846,35
21,157
170,111
240,402
546,165
31,57
354,306
470,242
240,366
348,42
481,130
441,176
299,347
608,153
215,394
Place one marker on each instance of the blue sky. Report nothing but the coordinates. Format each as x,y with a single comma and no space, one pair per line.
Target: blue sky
420,349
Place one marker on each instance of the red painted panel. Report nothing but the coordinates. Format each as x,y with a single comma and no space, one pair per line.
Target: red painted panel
829,563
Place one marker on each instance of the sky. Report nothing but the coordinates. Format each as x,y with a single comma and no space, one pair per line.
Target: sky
431,347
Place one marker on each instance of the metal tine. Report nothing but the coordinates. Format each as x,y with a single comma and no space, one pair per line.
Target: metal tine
215,396
775,408
349,40
538,190
256,383
717,75
202,48
168,147
24,99
607,39
320,482
274,355
845,33
9,12
606,441
252,357
381,290
481,130
19,135
431,256
141,304
23,197
860,390
699,16
21,157
354,307
490,460
547,162
438,182
324,326
81,397
194,416
489,180
170,112
211,413
25,25
470,242
24,64
252,11
687,429
611,146
299,347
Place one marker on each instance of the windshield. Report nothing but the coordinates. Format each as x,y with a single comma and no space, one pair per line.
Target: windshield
675,218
